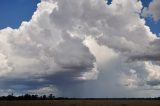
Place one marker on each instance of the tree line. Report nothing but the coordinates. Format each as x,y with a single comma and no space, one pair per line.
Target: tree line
52,97
28,97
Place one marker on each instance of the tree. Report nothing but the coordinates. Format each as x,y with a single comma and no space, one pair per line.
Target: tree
51,96
44,97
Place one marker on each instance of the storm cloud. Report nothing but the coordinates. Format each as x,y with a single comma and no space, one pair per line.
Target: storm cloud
81,48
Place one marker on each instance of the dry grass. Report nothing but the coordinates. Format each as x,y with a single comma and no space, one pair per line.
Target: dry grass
82,103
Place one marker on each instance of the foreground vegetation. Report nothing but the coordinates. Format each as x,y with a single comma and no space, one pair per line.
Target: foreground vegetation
50,100
81,103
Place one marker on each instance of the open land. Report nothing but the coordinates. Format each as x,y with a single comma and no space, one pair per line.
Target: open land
81,103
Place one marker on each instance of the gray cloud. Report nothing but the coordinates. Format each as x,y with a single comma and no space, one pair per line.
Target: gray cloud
152,10
152,52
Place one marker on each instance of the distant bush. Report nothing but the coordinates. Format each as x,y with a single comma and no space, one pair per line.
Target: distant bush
27,97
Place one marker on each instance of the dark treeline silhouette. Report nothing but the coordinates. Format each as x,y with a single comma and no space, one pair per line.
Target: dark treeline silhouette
52,97
27,97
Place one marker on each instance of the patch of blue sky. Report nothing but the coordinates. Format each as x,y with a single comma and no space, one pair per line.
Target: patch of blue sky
14,12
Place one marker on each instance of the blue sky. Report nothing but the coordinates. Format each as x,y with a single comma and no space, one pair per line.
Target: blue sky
146,2
13,12
154,26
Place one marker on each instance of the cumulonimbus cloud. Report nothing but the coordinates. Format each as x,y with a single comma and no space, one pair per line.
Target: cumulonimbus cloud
81,45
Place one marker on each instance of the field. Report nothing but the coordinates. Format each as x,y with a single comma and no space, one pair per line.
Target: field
82,103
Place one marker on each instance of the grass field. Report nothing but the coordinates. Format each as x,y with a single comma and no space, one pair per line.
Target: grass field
82,103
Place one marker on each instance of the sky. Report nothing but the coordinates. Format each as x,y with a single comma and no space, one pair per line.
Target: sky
154,25
80,48
14,12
